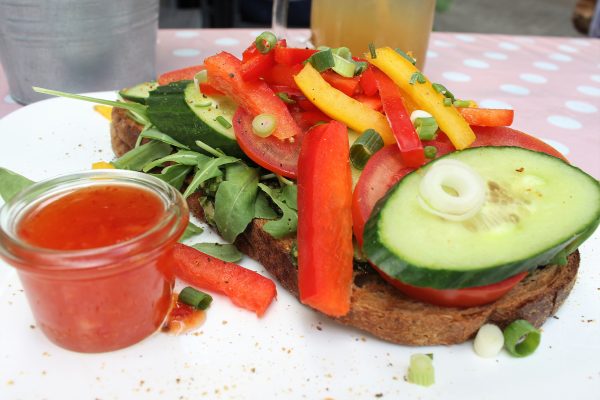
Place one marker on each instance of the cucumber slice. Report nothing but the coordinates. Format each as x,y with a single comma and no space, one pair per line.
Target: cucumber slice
536,206
178,109
138,93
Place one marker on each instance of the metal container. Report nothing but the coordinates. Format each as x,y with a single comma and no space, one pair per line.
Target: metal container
76,45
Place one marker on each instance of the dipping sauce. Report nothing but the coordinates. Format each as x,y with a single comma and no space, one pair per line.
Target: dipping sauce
94,258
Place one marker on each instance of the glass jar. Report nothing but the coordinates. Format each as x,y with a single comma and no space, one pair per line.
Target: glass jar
104,298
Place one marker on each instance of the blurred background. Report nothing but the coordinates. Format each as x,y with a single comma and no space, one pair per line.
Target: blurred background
517,17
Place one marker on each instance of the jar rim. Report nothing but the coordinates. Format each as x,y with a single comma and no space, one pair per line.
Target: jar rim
21,254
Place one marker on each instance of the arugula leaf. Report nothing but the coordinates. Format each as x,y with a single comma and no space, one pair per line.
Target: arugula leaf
191,230
234,200
137,108
138,157
289,195
183,157
225,252
12,183
262,208
174,175
155,134
288,223
207,168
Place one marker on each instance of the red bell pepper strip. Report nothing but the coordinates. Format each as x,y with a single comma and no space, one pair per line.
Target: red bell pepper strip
487,116
348,86
208,90
310,118
179,74
245,288
368,83
257,65
411,148
373,102
325,220
291,56
282,75
255,96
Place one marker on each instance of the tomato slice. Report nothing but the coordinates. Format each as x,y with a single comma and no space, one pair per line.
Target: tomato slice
325,220
385,168
348,86
276,155
282,75
182,74
368,83
468,297
373,102
291,56
487,116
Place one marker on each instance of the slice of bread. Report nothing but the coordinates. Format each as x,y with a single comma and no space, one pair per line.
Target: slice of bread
379,308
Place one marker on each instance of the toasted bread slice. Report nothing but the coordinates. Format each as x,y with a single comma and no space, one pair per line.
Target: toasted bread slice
379,308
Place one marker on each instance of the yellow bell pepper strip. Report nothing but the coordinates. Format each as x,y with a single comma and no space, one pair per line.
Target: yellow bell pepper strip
401,71
341,107
105,111
102,165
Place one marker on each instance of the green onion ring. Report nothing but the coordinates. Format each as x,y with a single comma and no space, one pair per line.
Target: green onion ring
521,338
194,298
265,42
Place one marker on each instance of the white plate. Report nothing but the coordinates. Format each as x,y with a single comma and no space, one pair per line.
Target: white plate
291,352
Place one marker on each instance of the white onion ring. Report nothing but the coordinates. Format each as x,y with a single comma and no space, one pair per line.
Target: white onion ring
458,176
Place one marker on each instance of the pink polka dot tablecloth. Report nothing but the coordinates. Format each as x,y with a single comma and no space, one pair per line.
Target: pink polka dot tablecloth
552,83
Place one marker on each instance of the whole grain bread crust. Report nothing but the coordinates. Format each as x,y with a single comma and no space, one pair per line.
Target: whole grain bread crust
376,306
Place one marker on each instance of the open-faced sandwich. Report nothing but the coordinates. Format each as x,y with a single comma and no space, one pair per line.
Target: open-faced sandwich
375,196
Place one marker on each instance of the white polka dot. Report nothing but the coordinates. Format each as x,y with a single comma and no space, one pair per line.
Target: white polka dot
560,57
567,49
580,42
187,34
456,76
589,90
514,89
509,46
581,106
546,66
227,42
186,52
443,43
533,78
527,40
432,54
8,99
595,78
561,148
465,38
494,55
473,63
564,122
491,103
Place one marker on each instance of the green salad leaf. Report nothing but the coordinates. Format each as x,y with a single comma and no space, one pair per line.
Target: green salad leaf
12,183
288,223
225,252
138,157
191,230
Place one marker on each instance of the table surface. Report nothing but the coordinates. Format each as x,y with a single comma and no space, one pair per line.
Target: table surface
552,83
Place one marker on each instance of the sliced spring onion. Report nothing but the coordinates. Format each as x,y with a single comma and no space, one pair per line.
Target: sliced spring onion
419,114
489,341
263,125
322,60
446,176
426,128
372,50
430,152
409,58
521,338
223,122
265,42
420,370
461,103
442,89
447,102
343,52
285,98
195,298
200,77
417,77
364,147
343,67
359,67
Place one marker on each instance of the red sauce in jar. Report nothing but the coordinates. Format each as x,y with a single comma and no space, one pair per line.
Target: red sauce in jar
91,217
109,284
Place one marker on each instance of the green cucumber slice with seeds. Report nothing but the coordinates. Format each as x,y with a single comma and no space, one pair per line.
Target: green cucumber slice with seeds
181,111
138,93
537,207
